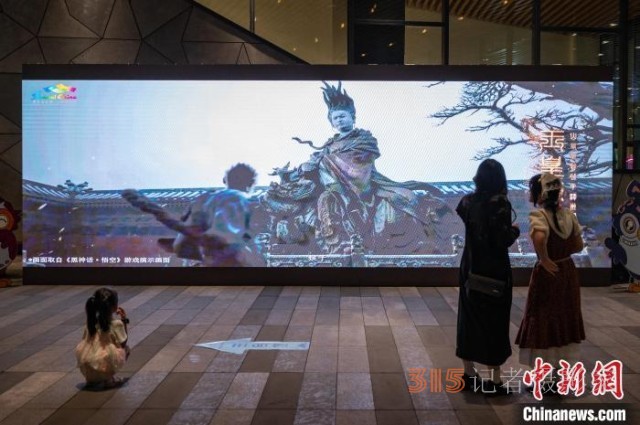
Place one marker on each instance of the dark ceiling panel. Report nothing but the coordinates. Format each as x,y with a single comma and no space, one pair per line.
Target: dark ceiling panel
92,13
27,13
202,28
213,53
29,53
58,23
11,97
7,127
243,58
168,38
58,50
110,51
122,24
258,56
147,55
7,141
152,14
13,156
12,36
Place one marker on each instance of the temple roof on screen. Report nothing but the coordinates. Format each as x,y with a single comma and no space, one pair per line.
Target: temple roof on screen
47,192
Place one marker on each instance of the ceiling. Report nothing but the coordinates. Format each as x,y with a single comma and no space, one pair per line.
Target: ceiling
556,13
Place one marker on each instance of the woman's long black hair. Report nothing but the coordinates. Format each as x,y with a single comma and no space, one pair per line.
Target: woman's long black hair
99,308
490,179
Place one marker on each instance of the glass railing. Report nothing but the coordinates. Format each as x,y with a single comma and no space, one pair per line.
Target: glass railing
313,30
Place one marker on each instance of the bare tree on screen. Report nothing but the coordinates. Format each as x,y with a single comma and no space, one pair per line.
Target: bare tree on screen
533,107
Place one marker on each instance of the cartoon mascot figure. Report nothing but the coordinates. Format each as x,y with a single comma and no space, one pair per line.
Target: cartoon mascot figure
9,219
626,224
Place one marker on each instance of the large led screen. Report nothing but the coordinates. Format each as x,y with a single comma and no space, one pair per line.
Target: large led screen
298,173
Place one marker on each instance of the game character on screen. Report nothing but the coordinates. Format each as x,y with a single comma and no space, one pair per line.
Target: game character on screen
215,231
103,349
222,219
552,325
351,198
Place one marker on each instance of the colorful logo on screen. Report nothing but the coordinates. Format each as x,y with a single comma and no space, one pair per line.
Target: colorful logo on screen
55,92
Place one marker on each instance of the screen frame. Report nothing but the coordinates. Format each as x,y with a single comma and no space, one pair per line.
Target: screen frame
436,276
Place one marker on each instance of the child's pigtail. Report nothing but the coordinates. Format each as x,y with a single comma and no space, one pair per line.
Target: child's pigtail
90,308
104,309
100,308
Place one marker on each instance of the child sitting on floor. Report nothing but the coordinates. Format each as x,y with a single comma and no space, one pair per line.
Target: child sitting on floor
103,349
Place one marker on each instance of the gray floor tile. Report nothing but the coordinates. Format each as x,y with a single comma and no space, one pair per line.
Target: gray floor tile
363,341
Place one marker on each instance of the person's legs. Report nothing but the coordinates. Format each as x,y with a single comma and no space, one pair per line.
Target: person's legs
494,385
495,374
469,368
472,382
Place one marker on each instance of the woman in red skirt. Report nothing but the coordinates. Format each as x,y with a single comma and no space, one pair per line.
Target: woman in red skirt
552,325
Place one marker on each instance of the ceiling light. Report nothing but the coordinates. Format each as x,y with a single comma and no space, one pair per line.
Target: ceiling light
341,24
460,18
391,44
424,31
363,54
315,40
613,24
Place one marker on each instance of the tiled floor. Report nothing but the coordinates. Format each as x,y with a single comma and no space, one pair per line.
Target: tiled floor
363,341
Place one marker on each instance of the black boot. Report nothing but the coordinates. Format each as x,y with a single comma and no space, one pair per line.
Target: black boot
472,383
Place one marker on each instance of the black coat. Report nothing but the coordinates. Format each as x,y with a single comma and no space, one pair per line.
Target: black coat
483,323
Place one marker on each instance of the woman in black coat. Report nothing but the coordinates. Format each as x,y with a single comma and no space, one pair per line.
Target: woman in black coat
483,320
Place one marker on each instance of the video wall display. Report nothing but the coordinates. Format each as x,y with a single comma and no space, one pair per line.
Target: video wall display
277,172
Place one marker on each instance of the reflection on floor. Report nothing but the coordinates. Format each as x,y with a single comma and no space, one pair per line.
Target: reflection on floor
363,341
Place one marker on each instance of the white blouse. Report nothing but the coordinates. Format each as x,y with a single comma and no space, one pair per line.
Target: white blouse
541,220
